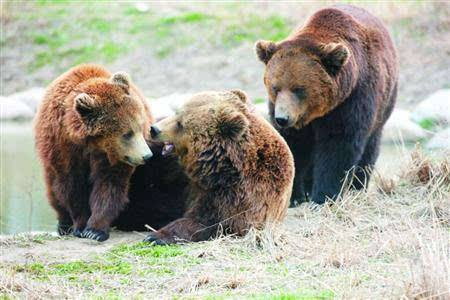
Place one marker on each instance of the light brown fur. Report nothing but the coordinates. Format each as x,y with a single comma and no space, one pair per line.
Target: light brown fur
240,168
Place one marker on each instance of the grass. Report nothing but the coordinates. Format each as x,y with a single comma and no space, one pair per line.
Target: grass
427,124
115,30
392,241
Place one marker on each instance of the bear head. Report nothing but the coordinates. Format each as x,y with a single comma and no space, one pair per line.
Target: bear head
300,78
209,133
109,117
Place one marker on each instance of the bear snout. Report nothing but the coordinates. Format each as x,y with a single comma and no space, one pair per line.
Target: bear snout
154,131
282,121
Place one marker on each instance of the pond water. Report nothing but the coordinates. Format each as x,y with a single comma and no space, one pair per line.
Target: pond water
24,206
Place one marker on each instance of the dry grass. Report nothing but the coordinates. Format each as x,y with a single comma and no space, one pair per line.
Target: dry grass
392,241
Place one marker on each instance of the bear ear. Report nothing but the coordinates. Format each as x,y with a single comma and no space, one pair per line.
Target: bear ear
241,95
121,78
231,124
334,56
86,107
265,50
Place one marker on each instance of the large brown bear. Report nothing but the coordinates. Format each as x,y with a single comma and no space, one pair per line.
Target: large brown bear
90,134
332,85
240,169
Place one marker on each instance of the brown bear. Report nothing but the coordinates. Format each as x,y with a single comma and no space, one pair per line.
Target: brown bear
90,135
240,169
332,85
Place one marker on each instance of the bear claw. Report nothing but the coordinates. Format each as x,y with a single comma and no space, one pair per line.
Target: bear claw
64,229
151,238
78,232
94,234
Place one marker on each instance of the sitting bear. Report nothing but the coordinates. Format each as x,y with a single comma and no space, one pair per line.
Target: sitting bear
90,135
332,85
240,169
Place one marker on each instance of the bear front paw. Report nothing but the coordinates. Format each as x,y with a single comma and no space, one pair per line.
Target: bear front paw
64,229
95,234
152,238
78,232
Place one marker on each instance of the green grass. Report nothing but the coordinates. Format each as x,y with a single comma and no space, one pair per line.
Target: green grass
427,124
144,250
255,27
259,100
156,260
184,18
301,295
72,34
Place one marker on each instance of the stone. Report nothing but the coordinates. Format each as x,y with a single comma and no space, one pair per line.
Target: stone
31,97
400,128
11,109
441,140
435,108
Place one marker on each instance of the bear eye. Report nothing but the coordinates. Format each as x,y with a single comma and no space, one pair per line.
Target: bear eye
299,92
179,125
128,135
275,89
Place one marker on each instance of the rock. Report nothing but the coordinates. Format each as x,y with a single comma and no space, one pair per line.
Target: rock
167,106
441,140
31,97
14,110
142,6
400,128
435,108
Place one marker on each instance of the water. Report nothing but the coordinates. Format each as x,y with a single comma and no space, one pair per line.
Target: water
24,206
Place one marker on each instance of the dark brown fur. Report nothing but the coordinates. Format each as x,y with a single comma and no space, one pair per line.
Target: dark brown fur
332,85
240,169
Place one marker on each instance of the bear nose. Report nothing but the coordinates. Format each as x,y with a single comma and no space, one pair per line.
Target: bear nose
147,157
154,131
282,121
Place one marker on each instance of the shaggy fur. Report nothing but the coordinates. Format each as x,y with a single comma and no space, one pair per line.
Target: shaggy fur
87,129
332,85
240,169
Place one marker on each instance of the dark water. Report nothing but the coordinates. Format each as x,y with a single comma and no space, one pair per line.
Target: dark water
24,206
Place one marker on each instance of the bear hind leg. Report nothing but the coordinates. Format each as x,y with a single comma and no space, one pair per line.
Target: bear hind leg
367,162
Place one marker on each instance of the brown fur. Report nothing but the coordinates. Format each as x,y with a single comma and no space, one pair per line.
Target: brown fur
241,170
79,130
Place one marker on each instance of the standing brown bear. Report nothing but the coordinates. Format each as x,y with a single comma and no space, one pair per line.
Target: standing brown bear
90,134
332,85
240,169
